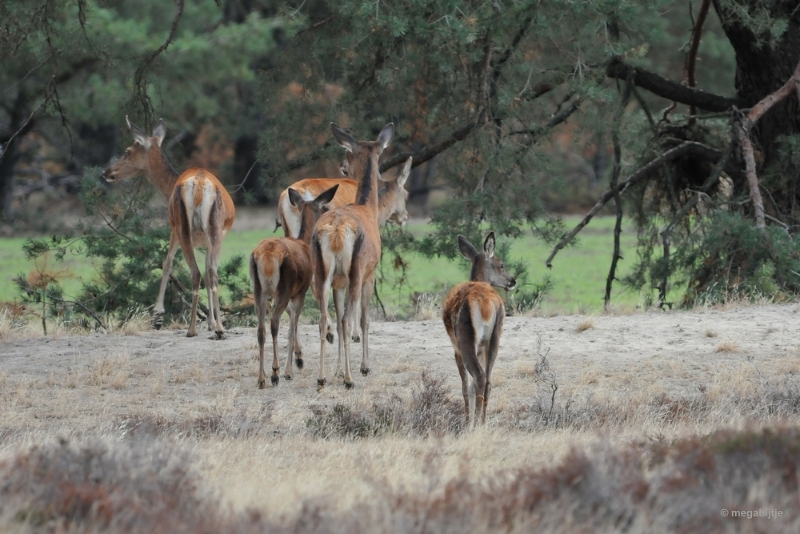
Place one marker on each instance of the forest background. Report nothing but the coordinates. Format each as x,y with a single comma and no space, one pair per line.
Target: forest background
515,112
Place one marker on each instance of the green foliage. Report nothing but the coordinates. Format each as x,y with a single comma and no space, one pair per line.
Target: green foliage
737,260
127,239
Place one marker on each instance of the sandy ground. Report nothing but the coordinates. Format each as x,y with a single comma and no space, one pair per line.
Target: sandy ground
82,386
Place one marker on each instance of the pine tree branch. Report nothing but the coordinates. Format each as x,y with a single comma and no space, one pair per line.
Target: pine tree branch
430,151
691,56
670,90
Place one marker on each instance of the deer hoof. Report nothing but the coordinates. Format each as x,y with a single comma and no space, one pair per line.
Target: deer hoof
356,339
365,371
220,335
191,334
322,381
299,362
329,337
262,384
275,379
287,377
349,385
158,321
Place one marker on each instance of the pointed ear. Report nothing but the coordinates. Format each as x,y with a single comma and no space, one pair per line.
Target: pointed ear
488,245
405,173
385,137
295,198
159,132
326,196
466,248
344,139
138,135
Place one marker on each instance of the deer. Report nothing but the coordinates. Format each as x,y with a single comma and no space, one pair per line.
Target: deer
473,316
280,269
392,197
346,249
201,212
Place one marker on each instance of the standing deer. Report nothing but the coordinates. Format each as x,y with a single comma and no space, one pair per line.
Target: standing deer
473,315
200,214
280,269
346,249
392,197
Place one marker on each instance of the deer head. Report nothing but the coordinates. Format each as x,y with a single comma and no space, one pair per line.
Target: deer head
392,195
485,266
310,210
138,158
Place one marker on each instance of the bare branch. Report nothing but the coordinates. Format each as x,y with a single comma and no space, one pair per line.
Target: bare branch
691,56
431,150
688,147
750,171
670,90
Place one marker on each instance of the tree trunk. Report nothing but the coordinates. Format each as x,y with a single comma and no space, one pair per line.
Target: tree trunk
18,126
761,70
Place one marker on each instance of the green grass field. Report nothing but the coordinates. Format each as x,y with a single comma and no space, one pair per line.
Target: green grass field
578,275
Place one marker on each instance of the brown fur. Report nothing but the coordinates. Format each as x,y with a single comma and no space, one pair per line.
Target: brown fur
346,248
476,340
287,287
144,157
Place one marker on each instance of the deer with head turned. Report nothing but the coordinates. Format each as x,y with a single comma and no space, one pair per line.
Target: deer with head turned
392,197
280,269
346,249
200,214
473,316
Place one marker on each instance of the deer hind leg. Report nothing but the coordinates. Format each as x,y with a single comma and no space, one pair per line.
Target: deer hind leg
158,312
462,372
322,282
274,323
339,307
261,312
188,254
328,322
366,297
465,335
214,233
295,309
491,356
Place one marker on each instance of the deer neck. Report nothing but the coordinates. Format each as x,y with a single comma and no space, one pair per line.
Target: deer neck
367,189
161,173
386,198
307,221
478,272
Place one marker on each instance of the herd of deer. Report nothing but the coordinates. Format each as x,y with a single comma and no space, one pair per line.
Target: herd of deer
332,242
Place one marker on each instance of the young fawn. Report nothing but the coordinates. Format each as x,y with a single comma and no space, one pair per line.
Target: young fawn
280,269
473,315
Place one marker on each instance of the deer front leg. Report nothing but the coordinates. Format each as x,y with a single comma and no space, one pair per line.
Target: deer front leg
158,311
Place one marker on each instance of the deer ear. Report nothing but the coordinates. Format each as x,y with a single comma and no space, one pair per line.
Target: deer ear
159,132
343,138
488,245
466,248
404,174
385,137
138,135
326,196
295,198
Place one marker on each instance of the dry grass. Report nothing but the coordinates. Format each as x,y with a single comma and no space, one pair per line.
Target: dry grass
711,333
393,454
585,325
727,346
